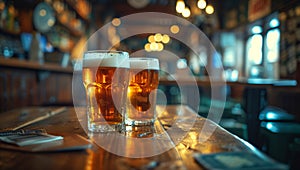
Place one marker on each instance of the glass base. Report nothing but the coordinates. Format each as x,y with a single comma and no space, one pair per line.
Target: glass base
132,122
104,128
133,131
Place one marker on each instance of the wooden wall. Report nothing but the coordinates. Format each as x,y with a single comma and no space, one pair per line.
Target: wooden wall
21,87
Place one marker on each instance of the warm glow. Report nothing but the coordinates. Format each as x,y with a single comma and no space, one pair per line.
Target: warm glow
116,22
174,29
115,40
154,46
165,39
209,9
201,4
158,37
147,48
151,38
180,6
186,12
58,6
2,6
160,46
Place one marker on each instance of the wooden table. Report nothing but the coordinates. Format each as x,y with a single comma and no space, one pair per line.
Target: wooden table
96,157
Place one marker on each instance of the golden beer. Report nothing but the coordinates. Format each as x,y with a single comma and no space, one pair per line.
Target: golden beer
141,97
105,78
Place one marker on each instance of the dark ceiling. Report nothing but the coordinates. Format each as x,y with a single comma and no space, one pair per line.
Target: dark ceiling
119,8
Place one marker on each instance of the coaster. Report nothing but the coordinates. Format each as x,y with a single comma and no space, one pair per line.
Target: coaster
68,143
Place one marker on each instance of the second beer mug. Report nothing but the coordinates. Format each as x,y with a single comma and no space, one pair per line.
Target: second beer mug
105,77
141,97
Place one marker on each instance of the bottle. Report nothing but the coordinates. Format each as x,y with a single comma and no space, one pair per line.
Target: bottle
35,52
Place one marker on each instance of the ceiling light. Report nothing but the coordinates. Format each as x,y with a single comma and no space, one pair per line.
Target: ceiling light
165,39
180,6
116,22
160,46
147,47
209,9
201,4
158,37
154,46
151,38
174,29
186,12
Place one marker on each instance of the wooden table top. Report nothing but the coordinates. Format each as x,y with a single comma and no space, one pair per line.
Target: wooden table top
180,157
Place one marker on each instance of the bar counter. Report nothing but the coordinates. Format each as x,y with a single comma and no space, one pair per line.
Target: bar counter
95,157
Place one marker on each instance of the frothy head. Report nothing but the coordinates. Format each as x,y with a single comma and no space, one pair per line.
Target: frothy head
106,59
144,63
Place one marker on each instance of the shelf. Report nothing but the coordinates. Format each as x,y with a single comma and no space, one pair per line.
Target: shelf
23,64
10,33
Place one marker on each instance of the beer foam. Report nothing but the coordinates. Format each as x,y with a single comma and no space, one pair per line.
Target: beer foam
144,63
106,59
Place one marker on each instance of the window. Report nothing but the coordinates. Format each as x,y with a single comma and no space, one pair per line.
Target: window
272,40
262,47
272,45
254,49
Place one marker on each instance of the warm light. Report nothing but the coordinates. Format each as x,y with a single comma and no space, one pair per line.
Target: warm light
201,4
151,38
158,37
58,6
165,39
116,22
2,6
180,6
186,12
160,46
153,46
115,40
147,47
174,29
209,9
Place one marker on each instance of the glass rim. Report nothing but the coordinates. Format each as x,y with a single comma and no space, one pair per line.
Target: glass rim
106,58
143,58
106,51
144,63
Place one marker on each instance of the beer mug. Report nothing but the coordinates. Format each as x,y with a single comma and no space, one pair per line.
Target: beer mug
105,78
141,96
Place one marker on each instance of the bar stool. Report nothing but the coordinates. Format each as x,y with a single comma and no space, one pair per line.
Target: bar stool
277,130
295,152
275,114
278,136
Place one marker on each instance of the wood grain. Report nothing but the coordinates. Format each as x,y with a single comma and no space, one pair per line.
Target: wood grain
179,157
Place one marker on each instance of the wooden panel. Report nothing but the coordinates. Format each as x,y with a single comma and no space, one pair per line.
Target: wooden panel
21,87
64,89
3,92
